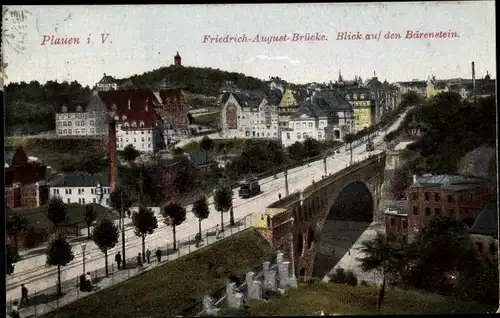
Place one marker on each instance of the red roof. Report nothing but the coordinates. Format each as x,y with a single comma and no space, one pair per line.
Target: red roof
136,105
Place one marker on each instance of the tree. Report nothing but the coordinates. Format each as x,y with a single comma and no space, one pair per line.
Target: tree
174,215
105,236
130,153
59,254
201,211
400,181
223,201
312,147
207,144
145,223
296,151
386,255
121,201
349,139
442,248
178,151
15,225
90,217
56,211
11,257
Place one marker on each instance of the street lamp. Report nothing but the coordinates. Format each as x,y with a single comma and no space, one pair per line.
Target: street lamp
84,246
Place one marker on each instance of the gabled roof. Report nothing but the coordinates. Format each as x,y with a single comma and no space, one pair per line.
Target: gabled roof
171,95
106,79
450,182
132,105
75,180
486,222
9,153
244,99
73,107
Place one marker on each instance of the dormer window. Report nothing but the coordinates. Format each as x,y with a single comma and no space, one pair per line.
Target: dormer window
347,97
117,118
362,96
64,109
355,96
125,125
141,124
134,124
124,117
79,109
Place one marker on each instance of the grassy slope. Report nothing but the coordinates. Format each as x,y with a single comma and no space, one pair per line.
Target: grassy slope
173,288
361,300
37,217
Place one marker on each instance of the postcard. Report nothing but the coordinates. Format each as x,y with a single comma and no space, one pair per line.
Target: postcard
189,160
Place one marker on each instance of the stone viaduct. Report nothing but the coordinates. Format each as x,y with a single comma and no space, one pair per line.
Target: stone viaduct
299,224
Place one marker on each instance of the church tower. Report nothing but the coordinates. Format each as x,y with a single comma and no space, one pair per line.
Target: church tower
177,59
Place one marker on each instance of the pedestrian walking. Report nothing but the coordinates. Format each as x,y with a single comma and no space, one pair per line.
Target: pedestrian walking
158,255
217,231
279,196
139,261
88,278
118,260
24,295
148,256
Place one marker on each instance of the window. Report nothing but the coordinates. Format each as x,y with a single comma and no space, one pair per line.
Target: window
79,201
437,211
69,123
149,138
107,201
449,198
91,190
135,139
142,132
347,97
310,125
91,122
83,190
426,196
150,146
83,200
69,191
134,124
297,125
65,131
82,122
55,191
142,139
91,130
68,201
70,131
436,197
393,222
60,131
288,136
304,125
65,123
320,136
79,191
94,200
141,124
361,96
404,224
124,118
427,211
415,195
472,196
299,136
415,210
83,130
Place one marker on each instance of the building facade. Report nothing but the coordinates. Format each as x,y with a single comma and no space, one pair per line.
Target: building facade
137,122
456,196
173,110
363,104
246,115
75,120
396,220
287,108
107,83
81,188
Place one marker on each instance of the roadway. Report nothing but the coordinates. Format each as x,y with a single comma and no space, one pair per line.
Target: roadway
36,275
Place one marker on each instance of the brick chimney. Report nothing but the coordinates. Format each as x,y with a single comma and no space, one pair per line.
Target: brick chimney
473,78
112,155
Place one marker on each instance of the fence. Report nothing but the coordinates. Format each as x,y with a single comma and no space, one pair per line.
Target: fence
42,302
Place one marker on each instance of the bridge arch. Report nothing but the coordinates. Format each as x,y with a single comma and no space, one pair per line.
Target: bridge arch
350,211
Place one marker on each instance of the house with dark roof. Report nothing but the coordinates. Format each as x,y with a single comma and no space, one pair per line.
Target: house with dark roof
24,180
137,121
251,114
323,116
81,188
107,83
76,119
484,231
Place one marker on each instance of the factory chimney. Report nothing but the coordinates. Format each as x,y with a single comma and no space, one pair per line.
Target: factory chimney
473,79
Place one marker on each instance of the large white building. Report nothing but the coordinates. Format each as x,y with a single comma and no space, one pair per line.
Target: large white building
107,83
323,116
81,188
80,120
245,115
137,122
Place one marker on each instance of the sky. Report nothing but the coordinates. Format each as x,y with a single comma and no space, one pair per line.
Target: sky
143,38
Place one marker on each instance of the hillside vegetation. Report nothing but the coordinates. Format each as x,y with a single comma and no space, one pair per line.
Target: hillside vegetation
451,127
30,108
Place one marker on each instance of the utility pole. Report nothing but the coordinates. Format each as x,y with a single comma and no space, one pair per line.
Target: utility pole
350,162
286,181
324,163
123,231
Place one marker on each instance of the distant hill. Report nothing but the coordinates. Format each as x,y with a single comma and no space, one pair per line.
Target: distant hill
198,80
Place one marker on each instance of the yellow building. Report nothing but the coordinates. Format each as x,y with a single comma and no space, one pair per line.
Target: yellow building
287,107
361,100
434,87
